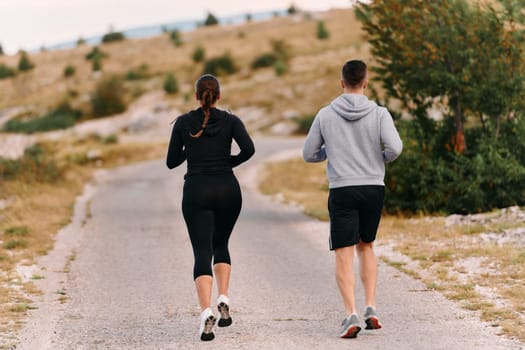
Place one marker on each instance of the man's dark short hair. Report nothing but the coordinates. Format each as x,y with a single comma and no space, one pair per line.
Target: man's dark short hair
354,73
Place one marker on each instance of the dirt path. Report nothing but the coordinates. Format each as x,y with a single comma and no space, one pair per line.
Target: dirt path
128,278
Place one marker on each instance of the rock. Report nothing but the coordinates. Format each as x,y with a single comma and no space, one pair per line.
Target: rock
284,128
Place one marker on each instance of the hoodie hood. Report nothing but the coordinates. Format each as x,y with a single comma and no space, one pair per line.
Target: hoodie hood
352,106
215,123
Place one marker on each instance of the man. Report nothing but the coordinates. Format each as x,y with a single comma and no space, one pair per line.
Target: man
357,137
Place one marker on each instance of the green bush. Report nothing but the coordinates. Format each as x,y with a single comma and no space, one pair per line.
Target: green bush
69,70
108,97
138,73
304,124
198,54
36,165
176,38
222,65
112,37
6,71
280,67
322,32
489,175
25,64
171,85
264,60
61,118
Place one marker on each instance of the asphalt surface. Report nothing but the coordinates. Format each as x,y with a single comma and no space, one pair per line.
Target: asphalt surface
126,270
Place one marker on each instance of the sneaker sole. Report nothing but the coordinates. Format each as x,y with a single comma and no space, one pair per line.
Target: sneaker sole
351,332
225,319
373,323
207,333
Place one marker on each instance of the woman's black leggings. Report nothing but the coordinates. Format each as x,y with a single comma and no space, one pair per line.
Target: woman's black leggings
211,205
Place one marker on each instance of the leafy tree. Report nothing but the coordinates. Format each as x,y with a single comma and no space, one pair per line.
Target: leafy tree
322,32
81,41
113,36
171,85
1,50
198,54
25,64
292,10
249,18
428,53
211,20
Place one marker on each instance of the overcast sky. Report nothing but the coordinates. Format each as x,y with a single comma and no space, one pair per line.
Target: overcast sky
30,24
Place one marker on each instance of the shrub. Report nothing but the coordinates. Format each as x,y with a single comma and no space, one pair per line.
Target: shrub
280,67
429,180
15,243
304,124
95,52
108,97
69,71
138,73
25,64
36,165
17,231
171,85
222,65
6,71
322,32
113,36
264,60
176,38
211,20
198,54
96,55
62,117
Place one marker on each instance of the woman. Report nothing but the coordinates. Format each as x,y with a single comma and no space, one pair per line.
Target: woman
212,198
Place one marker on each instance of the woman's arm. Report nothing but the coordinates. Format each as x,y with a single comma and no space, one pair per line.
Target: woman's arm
176,154
241,137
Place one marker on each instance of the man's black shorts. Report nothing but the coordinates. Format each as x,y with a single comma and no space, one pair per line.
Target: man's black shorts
355,212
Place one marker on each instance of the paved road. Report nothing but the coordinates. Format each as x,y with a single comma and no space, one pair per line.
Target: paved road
129,284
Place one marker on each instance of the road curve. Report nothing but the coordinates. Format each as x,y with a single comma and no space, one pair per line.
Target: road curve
126,270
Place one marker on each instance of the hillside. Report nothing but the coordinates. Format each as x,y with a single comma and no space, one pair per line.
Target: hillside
312,79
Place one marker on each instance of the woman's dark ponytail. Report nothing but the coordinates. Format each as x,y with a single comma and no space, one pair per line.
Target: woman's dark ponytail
207,89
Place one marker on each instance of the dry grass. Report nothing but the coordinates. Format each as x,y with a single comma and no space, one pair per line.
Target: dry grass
481,276
39,210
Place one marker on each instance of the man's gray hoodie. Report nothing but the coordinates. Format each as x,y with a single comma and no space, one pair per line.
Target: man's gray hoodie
357,137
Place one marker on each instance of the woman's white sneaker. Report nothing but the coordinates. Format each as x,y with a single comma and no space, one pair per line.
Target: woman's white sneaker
223,305
206,326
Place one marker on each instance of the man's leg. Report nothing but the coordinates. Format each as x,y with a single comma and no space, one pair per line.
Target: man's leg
368,270
344,272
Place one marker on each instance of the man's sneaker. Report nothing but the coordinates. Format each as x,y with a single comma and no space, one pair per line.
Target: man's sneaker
372,318
224,311
350,327
207,323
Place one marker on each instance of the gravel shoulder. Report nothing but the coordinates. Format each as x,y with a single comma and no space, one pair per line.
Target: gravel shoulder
126,272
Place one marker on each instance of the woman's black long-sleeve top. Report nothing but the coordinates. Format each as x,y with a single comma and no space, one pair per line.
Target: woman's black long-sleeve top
210,153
